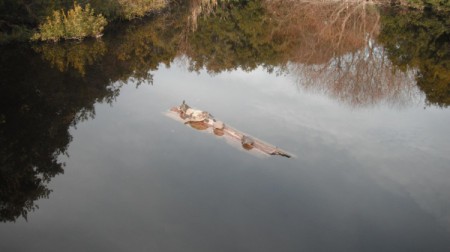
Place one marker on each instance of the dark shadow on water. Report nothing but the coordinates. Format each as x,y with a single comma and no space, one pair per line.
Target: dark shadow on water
39,104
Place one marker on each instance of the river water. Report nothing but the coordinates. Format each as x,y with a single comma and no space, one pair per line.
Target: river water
91,161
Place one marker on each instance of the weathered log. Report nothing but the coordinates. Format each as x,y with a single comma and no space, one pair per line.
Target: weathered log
202,120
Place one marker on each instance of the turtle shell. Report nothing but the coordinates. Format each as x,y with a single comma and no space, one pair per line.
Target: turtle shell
193,115
247,142
199,125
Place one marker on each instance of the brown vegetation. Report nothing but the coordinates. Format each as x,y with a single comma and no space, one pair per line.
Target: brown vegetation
335,51
321,30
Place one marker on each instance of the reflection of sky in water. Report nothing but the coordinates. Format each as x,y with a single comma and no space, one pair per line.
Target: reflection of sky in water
365,179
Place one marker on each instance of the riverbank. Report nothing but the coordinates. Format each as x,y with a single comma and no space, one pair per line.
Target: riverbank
19,22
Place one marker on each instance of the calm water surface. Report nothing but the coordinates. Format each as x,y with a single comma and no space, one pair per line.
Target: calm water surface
90,161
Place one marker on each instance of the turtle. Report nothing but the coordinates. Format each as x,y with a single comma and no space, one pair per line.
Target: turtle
247,142
197,119
218,127
184,107
194,115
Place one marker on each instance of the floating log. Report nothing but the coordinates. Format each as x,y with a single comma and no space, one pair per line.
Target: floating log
202,120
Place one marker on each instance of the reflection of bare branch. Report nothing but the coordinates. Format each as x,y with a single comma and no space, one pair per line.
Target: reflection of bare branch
321,30
360,79
335,51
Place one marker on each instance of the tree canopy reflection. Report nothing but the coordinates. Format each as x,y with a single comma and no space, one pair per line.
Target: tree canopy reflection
348,50
72,55
421,41
37,107
337,52
59,88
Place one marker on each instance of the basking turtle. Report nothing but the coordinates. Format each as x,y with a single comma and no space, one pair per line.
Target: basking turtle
197,119
218,128
247,142
219,125
194,115
198,125
184,107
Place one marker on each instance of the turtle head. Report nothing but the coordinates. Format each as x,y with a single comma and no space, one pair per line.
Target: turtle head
184,107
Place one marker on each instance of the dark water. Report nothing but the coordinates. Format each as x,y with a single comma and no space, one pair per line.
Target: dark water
90,161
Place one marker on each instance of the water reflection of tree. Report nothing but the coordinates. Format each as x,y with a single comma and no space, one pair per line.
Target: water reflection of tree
37,107
361,78
132,52
319,30
420,40
142,47
236,35
336,51
198,8
70,54
59,88
330,46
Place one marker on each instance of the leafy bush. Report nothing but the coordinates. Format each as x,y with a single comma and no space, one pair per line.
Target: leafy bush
77,23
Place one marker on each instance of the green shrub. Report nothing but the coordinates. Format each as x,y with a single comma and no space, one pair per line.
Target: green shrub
77,23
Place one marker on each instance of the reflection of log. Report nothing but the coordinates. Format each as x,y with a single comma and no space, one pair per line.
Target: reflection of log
233,135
